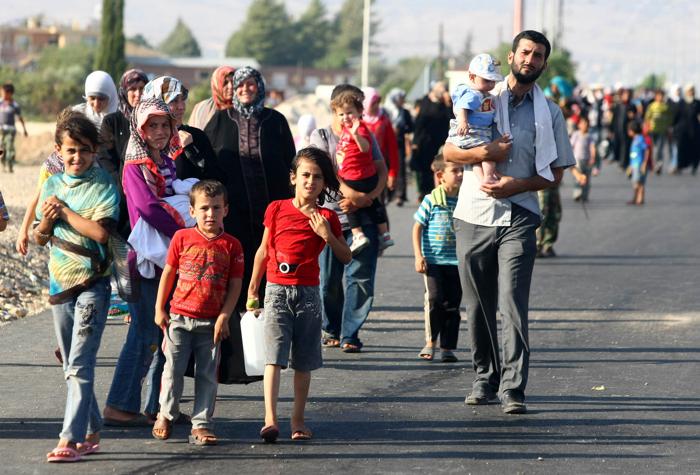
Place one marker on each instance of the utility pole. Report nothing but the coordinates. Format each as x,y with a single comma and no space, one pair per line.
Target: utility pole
365,44
518,12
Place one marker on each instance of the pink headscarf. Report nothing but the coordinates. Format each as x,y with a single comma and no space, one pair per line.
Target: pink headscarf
218,80
371,97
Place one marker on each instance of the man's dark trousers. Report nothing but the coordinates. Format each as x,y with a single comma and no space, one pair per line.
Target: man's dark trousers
495,266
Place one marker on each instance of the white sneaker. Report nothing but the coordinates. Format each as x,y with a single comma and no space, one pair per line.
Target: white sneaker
359,242
385,241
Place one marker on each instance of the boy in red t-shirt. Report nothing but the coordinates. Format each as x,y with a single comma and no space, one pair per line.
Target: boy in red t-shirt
296,231
208,266
356,169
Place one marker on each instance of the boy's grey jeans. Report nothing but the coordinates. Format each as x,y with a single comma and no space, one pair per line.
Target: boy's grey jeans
186,336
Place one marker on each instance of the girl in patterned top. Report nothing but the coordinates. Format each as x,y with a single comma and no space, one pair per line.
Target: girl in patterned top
78,209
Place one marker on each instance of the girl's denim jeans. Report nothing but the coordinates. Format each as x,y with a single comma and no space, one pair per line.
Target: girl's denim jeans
79,324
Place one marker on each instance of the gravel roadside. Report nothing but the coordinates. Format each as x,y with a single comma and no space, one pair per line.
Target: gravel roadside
23,279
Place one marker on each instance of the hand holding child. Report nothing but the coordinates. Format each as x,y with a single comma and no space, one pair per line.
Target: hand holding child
221,330
320,225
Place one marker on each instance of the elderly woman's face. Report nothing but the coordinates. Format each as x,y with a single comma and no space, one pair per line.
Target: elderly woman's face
247,91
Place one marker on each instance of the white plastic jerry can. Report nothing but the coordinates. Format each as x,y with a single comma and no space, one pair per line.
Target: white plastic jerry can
253,342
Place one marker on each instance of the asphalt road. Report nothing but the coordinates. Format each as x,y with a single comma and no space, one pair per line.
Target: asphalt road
614,380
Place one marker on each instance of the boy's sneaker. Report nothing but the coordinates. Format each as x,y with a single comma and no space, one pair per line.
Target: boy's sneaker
359,242
385,241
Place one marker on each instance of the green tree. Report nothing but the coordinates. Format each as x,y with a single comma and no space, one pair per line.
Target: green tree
312,33
653,81
140,40
347,35
266,34
110,53
180,42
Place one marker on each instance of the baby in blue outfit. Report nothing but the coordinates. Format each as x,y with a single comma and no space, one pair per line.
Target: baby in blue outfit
475,111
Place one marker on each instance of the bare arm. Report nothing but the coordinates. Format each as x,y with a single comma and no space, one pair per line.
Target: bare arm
87,227
21,120
361,142
416,235
496,151
509,186
594,154
259,266
221,330
23,237
165,286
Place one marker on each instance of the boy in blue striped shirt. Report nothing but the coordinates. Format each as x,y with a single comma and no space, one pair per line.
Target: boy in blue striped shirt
434,247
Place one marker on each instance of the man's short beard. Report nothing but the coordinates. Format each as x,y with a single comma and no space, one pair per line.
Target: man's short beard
526,78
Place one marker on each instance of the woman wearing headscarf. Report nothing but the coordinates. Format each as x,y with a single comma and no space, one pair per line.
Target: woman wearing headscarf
147,178
115,134
100,97
254,150
380,125
305,125
403,126
221,97
194,153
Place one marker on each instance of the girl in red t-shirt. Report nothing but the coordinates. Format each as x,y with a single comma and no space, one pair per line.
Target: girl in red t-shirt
357,170
296,231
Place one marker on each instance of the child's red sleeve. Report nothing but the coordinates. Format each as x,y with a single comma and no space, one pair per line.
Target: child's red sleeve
236,262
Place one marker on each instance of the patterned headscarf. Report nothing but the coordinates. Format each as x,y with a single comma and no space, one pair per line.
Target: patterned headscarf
218,80
165,88
137,152
129,78
137,149
255,107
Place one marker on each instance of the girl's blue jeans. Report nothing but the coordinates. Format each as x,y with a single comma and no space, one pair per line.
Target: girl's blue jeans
79,324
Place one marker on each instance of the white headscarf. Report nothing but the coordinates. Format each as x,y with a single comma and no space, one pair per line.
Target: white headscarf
99,82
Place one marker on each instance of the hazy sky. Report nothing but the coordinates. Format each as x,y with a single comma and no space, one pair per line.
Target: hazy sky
610,40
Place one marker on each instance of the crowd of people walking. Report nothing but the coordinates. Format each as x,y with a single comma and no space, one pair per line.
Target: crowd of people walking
300,224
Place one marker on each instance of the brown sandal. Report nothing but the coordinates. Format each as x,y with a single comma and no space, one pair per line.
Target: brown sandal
162,428
202,437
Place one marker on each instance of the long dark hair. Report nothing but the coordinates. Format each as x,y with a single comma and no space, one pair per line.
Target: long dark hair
331,185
